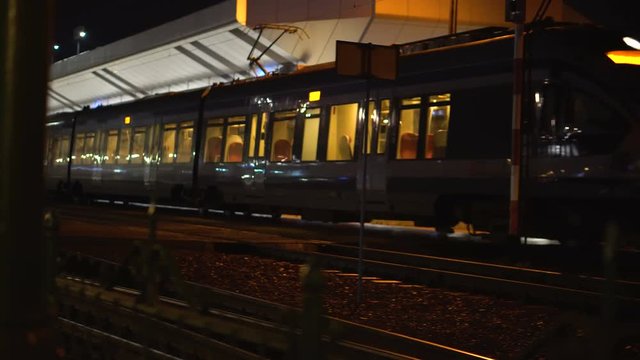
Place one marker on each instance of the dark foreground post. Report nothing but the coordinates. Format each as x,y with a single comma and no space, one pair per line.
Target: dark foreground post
515,12
25,331
313,322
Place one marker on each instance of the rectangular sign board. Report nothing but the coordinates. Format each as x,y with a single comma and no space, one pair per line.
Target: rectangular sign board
367,60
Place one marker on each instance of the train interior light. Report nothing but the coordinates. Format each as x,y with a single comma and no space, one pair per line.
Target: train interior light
314,96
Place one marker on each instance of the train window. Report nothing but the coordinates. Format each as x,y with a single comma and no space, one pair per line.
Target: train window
112,146
411,101
252,137
213,142
137,148
185,142
169,143
234,149
62,150
101,140
383,125
89,148
408,133
439,98
124,144
342,131
310,134
263,134
282,136
373,113
285,114
592,126
153,132
438,114
78,149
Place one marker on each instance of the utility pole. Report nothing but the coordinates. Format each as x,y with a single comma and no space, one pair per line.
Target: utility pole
367,61
453,17
515,12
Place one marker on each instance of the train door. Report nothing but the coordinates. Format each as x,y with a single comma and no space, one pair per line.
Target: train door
376,147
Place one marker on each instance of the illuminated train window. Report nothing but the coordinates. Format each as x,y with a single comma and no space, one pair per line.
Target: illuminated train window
89,148
234,148
310,134
424,136
169,143
373,113
185,142
263,134
124,145
153,139
384,119
213,141
282,132
112,147
63,151
408,129
137,148
253,136
342,132
78,149
438,114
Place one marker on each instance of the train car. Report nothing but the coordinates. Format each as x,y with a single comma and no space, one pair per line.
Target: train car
437,146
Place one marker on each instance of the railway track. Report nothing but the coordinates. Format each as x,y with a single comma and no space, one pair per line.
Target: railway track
573,289
223,322
548,287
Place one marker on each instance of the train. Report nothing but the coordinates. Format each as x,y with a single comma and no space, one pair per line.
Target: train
438,139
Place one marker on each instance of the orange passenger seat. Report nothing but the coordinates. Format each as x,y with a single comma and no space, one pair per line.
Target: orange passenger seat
408,146
214,145
281,150
235,152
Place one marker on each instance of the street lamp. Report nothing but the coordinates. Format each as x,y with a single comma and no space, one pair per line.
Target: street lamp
79,33
56,47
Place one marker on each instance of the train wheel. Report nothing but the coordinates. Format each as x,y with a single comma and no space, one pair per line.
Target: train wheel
77,194
203,210
445,218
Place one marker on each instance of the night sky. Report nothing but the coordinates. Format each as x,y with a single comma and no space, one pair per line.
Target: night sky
108,21
619,15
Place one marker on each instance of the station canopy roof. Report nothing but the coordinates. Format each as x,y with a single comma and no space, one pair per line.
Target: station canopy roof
198,50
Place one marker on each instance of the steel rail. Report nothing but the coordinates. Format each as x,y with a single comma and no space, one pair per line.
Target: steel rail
528,284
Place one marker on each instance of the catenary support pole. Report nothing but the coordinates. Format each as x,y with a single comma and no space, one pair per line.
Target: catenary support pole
363,189
24,60
453,17
516,125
